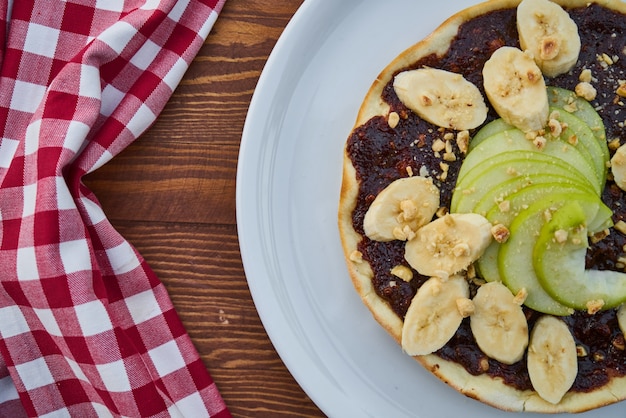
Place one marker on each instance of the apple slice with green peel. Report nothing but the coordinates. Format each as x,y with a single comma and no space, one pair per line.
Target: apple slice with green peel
559,255
505,212
517,203
504,189
515,140
582,109
515,256
511,164
524,162
580,134
492,128
487,265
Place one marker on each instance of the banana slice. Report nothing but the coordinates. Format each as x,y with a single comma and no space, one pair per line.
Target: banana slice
550,34
618,167
448,244
516,89
499,324
433,316
552,362
401,208
441,97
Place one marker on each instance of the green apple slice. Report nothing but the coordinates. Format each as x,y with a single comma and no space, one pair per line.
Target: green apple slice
559,255
579,132
506,211
492,128
516,203
515,256
512,164
502,191
582,109
515,140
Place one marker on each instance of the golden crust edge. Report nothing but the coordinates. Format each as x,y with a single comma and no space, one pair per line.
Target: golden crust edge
482,387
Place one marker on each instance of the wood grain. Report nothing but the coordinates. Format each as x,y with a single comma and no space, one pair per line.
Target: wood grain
172,195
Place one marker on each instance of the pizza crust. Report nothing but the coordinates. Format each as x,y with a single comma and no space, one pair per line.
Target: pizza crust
484,388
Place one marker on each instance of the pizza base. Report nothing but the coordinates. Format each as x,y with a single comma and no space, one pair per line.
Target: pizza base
484,388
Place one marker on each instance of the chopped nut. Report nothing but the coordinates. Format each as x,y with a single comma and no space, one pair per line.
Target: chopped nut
581,351
570,107
448,136
402,272
393,119
465,307
573,140
504,206
621,90
594,306
620,226
471,272
403,234
614,144
606,58
585,90
408,209
560,236
598,356
521,296
442,211
531,135
555,114
540,142
356,256
409,171
555,127
585,75
438,145
462,141
599,236
500,233
449,156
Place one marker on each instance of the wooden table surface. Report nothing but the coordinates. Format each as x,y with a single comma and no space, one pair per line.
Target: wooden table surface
172,195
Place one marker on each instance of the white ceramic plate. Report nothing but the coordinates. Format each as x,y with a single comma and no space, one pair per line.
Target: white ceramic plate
288,185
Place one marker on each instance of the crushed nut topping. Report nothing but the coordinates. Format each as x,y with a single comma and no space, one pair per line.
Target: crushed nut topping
393,119
620,226
402,272
521,296
462,141
586,91
585,75
356,256
465,307
540,142
500,233
560,236
594,306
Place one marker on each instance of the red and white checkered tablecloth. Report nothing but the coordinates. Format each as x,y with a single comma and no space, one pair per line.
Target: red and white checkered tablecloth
86,328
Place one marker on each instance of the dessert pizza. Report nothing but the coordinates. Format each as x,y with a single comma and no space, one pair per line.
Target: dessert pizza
482,209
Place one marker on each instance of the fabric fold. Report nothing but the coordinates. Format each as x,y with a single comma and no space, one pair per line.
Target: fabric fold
86,327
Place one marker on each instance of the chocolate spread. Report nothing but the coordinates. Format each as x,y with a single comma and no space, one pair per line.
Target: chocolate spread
381,154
